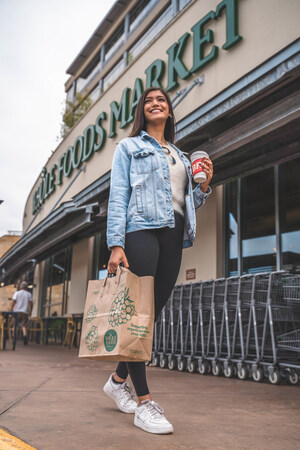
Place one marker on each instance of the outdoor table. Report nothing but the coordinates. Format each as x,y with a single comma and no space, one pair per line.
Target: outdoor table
6,315
78,325
48,321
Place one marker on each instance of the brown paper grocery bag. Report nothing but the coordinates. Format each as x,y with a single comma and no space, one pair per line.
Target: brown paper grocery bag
118,318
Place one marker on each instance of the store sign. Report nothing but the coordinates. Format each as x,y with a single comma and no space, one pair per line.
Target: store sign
190,274
122,113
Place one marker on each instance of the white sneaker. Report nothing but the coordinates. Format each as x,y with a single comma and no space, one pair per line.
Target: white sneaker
122,394
150,417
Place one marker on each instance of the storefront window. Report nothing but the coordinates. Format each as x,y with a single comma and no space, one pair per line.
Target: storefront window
114,42
70,95
253,199
151,33
290,214
183,3
86,77
57,284
113,74
139,12
258,222
232,228
95,93
101,256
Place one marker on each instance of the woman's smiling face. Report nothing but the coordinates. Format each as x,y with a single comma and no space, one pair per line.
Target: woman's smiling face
156,108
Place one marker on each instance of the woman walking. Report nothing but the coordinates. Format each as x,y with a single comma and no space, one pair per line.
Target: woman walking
151,217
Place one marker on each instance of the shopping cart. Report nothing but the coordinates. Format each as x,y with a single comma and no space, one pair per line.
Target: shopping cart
168,345
200,317
248,326
276,318
157,341
189,326
286,323
203,326
167,334
241,326
228,319
215,325
182,345
255,297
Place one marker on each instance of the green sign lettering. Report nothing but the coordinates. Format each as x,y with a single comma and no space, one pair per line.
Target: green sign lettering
232,33
77,153
94,136
154,73
119,112
68,161
52,179
136,94
100,132
175,65
60,169
88,145
199,41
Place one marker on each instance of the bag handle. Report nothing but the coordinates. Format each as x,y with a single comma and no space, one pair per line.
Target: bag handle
118,274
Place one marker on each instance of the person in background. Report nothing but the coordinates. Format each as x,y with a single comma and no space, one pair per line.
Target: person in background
22,304
151,217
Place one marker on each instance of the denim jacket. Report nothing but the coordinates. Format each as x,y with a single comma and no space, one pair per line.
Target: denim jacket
140,191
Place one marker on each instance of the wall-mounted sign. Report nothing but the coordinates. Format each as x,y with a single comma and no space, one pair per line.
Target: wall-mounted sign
190,274
94,136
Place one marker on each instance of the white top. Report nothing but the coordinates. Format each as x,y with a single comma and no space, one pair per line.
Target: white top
22,298
178,178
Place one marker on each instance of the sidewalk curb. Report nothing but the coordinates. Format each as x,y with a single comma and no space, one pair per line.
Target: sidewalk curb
8,442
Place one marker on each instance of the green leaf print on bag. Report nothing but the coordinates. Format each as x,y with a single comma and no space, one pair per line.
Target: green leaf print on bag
122,309
92,339
91,313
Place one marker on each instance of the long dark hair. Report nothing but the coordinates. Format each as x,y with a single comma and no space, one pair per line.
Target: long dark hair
139,123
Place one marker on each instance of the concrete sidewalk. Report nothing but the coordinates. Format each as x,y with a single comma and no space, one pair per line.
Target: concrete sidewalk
51,399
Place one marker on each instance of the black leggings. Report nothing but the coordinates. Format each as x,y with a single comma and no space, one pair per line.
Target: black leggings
156,253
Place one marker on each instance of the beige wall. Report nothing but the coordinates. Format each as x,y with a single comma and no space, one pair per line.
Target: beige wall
266,27
203,256
37,292
6,242
7,292
82,257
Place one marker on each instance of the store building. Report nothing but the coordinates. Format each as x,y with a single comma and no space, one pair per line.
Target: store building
232,69
7,290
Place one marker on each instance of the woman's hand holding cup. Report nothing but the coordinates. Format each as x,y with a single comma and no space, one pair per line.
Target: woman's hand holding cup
208,170
202,168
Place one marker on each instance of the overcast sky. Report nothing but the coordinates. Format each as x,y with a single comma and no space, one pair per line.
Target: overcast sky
39,39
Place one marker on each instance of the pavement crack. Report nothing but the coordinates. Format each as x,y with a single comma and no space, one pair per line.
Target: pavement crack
17,402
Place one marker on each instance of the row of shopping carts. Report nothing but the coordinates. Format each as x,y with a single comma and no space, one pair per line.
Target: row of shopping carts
243,326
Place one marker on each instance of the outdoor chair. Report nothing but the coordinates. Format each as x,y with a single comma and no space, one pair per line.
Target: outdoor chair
36,326
70,332
1,331
56,330
6,327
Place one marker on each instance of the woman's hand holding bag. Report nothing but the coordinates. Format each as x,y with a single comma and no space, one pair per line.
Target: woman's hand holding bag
116,258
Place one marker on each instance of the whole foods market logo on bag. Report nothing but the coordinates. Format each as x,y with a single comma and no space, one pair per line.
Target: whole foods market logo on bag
122,309
110,340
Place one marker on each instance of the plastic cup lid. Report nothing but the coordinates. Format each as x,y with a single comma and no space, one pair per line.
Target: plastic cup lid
198,155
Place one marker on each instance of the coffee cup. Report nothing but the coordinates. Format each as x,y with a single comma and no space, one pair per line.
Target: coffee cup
196,159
